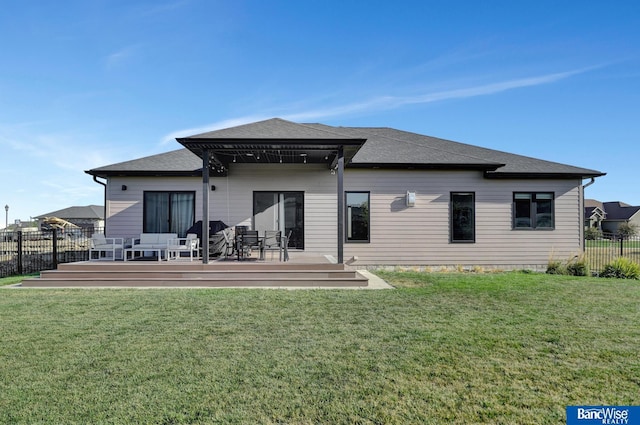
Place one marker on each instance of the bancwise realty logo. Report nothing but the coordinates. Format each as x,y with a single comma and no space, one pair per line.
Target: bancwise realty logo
603,415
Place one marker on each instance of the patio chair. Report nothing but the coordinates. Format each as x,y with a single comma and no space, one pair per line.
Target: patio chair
176,246
103,245
285,246
272,242
245,241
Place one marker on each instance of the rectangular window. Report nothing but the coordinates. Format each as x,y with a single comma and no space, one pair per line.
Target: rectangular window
463,217
533,210
168,212
357,206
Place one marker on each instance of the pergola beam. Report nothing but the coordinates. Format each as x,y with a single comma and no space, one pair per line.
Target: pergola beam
205,206
340,173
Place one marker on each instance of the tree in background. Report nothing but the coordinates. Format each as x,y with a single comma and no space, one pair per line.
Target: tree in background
627,230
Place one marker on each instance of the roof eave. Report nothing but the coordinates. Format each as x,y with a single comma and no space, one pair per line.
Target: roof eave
426,166
534,175
353,141
143,173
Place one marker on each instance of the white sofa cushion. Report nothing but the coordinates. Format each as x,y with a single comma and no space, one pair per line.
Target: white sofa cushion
153,240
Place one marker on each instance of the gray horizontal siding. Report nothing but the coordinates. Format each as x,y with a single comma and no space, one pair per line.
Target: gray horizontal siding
400,235
419,235
124,207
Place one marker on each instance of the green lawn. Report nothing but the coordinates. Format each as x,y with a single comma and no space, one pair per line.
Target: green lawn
508,348
15,279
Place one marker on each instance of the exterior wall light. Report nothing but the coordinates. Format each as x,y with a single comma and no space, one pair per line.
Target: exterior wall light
411,199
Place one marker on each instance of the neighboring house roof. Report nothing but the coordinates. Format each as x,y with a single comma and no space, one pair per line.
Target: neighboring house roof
85,212
378,147
593,203
619,210
594,212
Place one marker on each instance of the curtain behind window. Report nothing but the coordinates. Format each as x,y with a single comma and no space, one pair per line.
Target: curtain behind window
182,212
156,212
169,212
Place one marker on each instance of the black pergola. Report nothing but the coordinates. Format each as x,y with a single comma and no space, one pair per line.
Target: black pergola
219,151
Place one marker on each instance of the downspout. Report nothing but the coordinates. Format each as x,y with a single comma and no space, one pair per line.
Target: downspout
593,180
95,179
584,186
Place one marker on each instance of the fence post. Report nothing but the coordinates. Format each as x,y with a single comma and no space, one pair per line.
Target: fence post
55,248
622,246
19,234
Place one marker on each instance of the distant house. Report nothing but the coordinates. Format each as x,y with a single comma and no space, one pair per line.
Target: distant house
594,214
90,217
385,196
615,214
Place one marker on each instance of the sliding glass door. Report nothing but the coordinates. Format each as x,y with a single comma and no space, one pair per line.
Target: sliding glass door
282,211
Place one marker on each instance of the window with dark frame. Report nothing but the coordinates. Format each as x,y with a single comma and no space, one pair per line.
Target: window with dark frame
358,216
463,217
533,210
168,212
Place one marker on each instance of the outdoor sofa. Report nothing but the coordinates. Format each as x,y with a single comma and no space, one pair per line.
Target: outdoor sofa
157,242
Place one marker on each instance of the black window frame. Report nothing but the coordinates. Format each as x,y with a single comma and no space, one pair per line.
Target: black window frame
169,192
533,217
452,217
346,216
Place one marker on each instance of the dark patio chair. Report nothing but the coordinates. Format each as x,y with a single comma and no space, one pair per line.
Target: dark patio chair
285,245
272,242
245,241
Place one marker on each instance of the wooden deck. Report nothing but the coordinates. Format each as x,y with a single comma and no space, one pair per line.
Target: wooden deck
302,271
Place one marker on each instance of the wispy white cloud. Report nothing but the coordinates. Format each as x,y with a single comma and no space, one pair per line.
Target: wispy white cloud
44,172
122,55
381,103
393,102
162,8
63,151
72,189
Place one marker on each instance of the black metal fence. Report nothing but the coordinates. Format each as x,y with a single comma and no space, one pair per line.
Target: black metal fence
603,250
26,252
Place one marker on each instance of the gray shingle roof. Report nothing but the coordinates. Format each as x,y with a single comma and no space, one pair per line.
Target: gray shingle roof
272,129
178,162
384,147
391,146
619,210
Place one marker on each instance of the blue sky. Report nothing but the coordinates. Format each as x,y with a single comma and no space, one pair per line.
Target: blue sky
90,83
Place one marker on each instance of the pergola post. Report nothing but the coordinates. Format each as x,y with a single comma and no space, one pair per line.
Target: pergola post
340,172
205,206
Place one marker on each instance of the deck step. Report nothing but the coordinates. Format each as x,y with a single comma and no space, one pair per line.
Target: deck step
194,274
195,265
199,274
200,283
